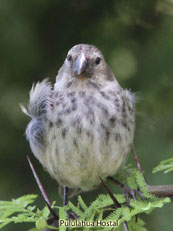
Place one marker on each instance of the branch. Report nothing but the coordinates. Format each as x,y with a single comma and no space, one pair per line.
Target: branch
161,190
157,190
43,192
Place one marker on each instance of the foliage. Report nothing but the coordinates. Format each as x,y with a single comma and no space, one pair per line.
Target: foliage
22,210
21,206
165,165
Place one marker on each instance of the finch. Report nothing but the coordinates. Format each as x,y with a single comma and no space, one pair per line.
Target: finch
81,128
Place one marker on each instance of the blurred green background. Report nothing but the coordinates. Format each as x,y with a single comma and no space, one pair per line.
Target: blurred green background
136,38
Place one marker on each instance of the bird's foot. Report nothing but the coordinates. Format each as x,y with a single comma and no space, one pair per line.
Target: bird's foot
131,193
128,192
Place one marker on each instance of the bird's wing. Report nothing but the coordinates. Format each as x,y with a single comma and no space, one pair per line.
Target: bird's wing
38,109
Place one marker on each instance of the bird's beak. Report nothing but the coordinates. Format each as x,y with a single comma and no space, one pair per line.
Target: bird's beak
80,64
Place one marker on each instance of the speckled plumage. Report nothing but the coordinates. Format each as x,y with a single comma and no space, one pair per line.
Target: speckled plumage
82,128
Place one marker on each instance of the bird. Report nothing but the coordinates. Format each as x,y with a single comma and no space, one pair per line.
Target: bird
82,126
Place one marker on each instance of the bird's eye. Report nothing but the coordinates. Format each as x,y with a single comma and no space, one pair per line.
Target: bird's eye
69,57
97,61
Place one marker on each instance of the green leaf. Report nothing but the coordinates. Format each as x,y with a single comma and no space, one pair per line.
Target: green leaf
62,216
74,208
142,185
82,203
165,166
20,206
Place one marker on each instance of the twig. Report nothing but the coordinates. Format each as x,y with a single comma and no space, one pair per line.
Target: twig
137,160
43,192
161,190
117,204
157,190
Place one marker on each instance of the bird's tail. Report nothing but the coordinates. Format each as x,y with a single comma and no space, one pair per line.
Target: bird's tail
40,99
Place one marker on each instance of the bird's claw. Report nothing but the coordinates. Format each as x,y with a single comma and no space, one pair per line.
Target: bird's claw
131,193
128,192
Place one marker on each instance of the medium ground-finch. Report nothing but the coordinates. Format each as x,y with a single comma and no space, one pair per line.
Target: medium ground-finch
83,127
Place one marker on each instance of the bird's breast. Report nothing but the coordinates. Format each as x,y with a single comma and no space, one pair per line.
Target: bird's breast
86,137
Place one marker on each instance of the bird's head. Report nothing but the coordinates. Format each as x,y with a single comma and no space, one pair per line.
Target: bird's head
85,61
84,64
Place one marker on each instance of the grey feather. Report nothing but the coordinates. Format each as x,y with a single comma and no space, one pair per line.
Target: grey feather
38,109
39,103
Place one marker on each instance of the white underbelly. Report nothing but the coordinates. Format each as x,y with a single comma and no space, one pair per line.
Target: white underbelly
80,158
